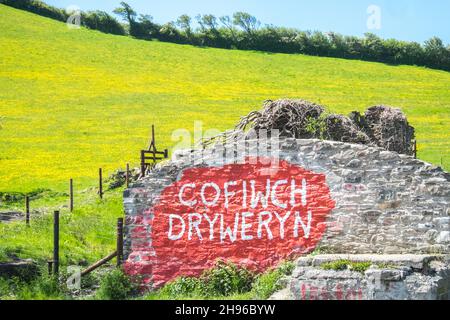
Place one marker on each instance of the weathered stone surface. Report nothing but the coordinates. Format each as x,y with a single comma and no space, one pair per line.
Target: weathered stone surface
385,203
390,277
281,295
406,260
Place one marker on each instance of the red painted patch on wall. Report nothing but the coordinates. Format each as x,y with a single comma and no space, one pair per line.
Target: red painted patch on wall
248,214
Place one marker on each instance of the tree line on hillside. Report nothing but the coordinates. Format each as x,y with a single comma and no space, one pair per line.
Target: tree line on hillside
244,31
97,20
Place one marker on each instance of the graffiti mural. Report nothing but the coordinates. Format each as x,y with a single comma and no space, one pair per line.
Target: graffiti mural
197,209
244,213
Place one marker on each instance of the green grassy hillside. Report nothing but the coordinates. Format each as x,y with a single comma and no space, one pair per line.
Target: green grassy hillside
75,100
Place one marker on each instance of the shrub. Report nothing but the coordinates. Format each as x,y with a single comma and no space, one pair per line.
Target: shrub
116,286
37,7
224,280
48,286
44,288
182,288
266,285
100,20
339,265
360,266
227,279
97,20
286,268
270,282
5,291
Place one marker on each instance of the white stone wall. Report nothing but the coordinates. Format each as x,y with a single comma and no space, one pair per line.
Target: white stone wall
386,203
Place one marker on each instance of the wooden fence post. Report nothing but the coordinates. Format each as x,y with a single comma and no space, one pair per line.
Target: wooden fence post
56,242
71,195
27,210
99,264
119,241
100,183
127,176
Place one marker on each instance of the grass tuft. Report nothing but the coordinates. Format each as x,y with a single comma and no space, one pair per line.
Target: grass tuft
341,265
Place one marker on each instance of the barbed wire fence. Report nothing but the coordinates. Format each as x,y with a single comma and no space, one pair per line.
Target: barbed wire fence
117,179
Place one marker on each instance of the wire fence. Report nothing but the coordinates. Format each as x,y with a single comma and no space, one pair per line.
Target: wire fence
81,228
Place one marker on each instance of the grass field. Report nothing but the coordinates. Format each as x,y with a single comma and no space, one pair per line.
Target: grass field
75,100
72,101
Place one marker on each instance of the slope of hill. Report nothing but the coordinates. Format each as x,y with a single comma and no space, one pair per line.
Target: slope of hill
73,100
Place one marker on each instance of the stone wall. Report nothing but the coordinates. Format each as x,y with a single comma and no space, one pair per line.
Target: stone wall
370,201
386,277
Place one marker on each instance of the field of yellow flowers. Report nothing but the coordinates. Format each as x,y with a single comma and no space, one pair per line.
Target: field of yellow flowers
74,100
